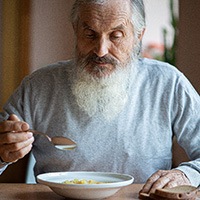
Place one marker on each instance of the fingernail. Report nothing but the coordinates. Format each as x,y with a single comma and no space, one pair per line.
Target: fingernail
29,134
24,127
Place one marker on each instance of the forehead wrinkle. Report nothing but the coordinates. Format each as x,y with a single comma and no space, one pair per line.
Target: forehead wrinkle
104,16
120,27
96,24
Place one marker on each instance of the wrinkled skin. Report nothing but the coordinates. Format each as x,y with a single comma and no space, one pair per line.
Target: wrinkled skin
105,31
15,140
165,179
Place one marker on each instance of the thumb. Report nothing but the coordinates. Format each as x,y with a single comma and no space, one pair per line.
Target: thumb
13,117
23,125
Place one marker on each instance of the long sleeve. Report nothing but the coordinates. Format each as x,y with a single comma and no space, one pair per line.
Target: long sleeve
187,128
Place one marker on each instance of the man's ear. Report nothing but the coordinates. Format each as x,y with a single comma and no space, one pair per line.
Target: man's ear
140,36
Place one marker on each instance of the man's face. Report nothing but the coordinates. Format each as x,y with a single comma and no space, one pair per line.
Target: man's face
105,58
105,37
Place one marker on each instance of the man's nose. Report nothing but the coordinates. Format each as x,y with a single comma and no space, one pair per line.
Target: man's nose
102,47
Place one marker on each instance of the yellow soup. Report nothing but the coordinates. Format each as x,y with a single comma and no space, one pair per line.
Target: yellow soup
81,181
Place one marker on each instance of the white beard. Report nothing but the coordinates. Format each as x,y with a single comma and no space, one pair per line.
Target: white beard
106,97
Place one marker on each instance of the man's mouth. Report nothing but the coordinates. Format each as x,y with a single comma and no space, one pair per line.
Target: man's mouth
100,69
102,60
99,63
100,66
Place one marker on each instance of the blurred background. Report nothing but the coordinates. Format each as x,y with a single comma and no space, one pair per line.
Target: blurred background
34,33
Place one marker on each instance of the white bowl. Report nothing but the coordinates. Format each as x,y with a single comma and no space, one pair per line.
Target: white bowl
112,183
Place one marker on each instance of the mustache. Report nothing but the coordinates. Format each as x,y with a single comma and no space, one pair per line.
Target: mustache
93,58
104,59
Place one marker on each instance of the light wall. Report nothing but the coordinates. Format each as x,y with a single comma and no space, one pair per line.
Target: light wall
51,32
157,18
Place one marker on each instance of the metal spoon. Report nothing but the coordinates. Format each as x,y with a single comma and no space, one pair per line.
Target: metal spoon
59,142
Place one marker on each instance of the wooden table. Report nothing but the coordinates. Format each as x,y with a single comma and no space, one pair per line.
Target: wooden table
10,191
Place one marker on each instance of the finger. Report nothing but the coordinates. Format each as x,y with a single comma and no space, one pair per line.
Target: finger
14,147
13,124
171,184
15,156
24,125
148,185
12,152
177,178
13,117
8,138
160,183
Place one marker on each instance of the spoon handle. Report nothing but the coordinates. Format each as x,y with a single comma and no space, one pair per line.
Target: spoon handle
39,133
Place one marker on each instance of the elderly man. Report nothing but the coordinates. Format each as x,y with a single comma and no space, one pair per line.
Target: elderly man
122,110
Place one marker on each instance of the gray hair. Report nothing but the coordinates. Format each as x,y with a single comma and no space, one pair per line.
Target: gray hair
137,18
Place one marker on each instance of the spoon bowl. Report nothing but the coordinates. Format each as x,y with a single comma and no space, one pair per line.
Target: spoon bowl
60,142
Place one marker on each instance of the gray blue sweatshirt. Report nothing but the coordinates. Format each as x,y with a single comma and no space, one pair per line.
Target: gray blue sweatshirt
162,103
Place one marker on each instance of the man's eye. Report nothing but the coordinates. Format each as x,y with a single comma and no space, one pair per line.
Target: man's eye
89,34
116,35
